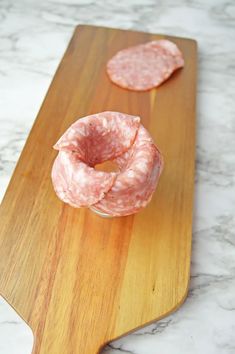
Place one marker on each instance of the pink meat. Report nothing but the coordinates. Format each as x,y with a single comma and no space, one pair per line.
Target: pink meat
145,66
133,188
78,184
100,137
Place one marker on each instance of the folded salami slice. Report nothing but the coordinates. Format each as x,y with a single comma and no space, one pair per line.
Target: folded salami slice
77,183
98,138
145,66
133,188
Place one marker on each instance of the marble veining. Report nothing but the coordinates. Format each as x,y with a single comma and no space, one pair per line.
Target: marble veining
33,37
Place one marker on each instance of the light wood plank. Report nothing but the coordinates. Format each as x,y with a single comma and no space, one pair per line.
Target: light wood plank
79,280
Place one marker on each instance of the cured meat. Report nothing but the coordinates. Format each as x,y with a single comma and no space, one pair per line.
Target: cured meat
133,188
100,137
145,66
77,183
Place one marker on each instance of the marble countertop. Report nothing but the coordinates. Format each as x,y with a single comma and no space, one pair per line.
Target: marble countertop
33,37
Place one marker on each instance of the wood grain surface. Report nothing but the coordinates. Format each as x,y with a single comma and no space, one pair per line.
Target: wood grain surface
77,279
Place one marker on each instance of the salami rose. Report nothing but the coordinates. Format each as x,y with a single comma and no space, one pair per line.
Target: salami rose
98,138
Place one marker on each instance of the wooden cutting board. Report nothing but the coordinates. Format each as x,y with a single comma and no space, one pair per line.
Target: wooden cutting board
77,279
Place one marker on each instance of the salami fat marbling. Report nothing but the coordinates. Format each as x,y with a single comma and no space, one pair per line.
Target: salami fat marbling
102,137
145,66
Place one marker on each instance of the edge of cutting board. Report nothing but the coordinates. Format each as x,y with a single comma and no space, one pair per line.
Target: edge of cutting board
183,289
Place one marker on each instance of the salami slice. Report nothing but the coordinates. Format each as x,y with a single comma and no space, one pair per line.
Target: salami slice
133,188
98,138
78,184
145,66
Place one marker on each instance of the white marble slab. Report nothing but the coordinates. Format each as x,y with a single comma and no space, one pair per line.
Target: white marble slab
33,37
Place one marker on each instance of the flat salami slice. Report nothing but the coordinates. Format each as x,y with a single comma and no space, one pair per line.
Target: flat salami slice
145,66
78,184
133,188
100,137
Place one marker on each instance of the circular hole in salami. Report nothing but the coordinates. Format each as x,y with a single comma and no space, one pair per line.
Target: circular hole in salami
145,66
93,140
